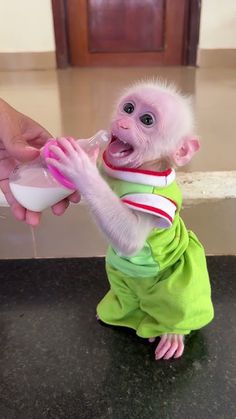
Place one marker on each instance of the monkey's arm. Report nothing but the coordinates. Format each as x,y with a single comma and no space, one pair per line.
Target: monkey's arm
125,229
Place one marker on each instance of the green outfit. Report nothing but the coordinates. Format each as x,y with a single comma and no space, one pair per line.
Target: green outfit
165,287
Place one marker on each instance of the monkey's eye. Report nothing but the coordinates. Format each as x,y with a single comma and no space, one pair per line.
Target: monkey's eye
128,107
147,119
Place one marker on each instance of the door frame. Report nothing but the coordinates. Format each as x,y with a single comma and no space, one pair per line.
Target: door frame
192,26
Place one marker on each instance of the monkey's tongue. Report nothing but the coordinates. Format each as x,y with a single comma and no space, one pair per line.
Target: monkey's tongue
118,148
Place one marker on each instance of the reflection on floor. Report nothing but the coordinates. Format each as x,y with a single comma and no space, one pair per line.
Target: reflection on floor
79,102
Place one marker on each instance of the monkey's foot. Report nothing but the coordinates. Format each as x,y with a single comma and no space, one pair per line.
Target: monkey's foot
170,346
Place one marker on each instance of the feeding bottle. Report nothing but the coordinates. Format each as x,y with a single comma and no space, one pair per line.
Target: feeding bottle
37,186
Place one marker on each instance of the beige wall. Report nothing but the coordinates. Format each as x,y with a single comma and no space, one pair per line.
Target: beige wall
26,26
218,24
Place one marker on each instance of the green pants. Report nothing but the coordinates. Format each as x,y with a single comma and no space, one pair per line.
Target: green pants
177,300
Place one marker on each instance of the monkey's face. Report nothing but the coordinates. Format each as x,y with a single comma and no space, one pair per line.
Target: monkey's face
149,124
133,126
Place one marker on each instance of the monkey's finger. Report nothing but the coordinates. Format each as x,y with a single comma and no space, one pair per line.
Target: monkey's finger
180,349
59,153
162,341
161,352
75,197
60,207
58,165
66,145
173,349
74,151
81,152
73,142
76,145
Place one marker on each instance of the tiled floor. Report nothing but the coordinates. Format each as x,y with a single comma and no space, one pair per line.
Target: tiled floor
79,102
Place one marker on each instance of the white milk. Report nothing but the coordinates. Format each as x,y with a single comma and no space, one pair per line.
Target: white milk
35,188
37,198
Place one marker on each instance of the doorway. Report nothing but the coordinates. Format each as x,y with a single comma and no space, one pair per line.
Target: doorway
126,32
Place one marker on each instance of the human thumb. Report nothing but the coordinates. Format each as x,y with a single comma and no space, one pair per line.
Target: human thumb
20,150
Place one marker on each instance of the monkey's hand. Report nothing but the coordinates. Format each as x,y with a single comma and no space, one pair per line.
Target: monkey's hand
125,229
170,345
73,162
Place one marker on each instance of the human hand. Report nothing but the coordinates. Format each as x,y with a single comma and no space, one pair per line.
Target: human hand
20,141
73,162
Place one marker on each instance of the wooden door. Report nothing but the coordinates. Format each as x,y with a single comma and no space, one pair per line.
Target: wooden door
126,32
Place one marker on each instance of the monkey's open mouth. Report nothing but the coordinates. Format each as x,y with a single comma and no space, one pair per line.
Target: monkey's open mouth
119,148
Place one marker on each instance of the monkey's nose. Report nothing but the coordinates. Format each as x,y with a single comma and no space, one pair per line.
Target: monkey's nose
123,123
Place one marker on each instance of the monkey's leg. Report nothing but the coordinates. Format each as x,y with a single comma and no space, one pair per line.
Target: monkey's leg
178,301
120,306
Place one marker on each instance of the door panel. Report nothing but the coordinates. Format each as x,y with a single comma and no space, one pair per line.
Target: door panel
123,26
126,32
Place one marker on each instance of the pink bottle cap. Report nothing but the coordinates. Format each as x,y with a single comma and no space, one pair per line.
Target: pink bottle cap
63,180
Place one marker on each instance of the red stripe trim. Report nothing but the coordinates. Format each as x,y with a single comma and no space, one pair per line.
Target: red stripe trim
173,202
161,196
133,170
168,199
149,208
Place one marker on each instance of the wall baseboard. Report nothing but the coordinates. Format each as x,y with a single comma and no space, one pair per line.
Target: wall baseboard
198,187
27,60
216,57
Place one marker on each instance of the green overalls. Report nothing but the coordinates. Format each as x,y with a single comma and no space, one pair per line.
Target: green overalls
165,287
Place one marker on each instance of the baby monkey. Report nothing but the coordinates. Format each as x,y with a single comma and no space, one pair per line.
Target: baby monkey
159,284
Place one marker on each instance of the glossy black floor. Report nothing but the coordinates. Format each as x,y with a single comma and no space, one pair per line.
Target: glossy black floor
57,361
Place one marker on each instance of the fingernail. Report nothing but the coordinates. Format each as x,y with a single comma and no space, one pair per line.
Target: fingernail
28,147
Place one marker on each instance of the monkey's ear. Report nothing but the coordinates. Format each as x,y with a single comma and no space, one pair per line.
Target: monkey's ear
185,152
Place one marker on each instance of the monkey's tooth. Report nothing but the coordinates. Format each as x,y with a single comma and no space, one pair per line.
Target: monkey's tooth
123,141
118,154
